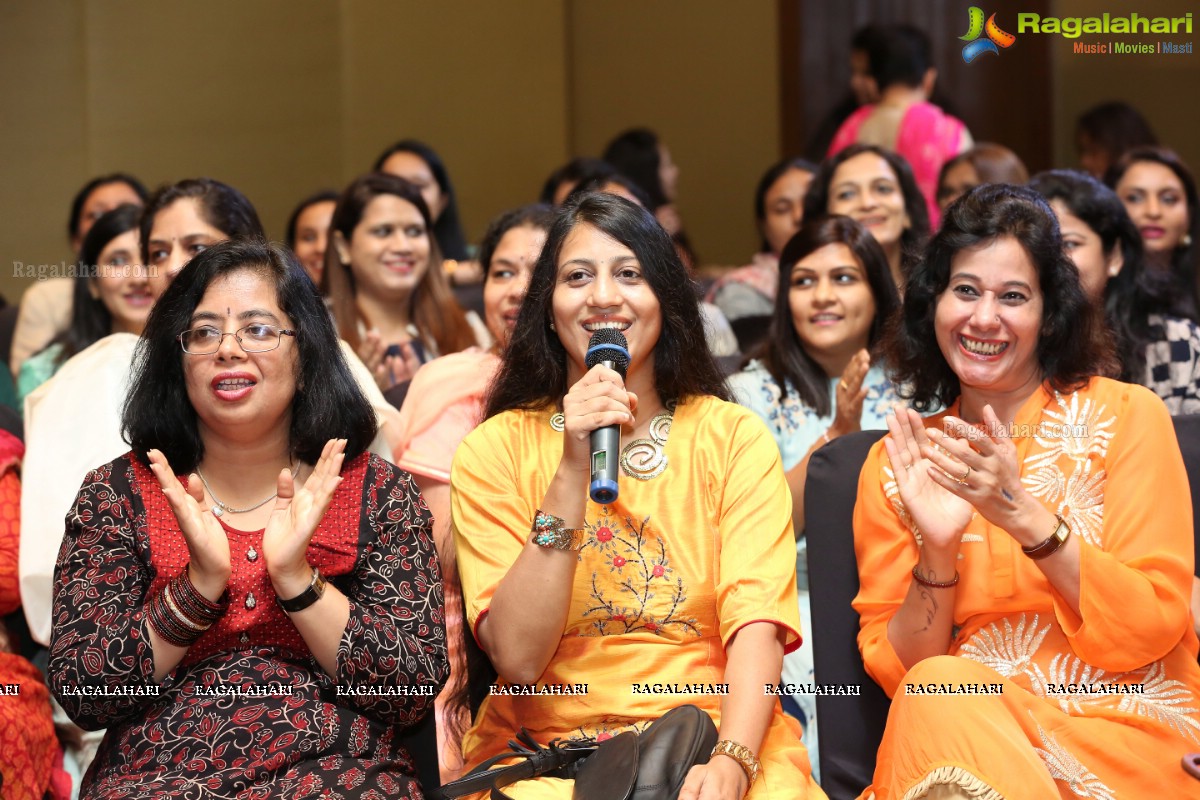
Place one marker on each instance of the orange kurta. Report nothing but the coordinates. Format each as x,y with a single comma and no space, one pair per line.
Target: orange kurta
1107,460
670,572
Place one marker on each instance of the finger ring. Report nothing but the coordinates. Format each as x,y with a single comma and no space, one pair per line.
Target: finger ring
908,466
844,385
963,479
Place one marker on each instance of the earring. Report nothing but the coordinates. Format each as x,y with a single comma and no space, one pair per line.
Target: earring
1186,241
551,324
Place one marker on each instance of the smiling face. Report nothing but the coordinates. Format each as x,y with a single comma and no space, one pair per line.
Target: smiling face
1155,199
783,208
1085,249
388,251
866,189
508,279
312,236
989,317
832,306
121,283
179,233
600,284
239,395
412,168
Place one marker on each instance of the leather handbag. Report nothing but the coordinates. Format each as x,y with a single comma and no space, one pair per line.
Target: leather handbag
630,766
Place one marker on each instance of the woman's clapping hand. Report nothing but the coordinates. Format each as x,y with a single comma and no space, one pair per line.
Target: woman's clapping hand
208,546
295,517
922,475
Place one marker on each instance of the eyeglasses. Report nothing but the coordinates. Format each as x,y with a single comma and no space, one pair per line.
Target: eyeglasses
256,338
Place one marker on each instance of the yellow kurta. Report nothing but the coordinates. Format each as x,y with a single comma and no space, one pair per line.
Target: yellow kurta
670,572
1106,459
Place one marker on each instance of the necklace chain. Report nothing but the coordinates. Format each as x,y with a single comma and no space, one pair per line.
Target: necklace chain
220,508
642,459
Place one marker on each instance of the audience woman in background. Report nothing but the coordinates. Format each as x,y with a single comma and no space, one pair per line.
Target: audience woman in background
1158,346
1159,192
181,220
444,403
814,379
385,284
417,163
778,212
308,231
904,121
641,156
45,308
984,163
875,187
1032,544
1105,132
688,576
113,294
262,566
563,180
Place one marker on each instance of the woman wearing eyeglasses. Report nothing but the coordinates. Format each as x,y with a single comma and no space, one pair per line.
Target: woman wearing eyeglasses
248,600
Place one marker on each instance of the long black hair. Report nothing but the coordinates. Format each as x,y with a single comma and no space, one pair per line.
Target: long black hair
1073,344
782,353
1135,292
447,229
327,404
534,371
91,320
84,193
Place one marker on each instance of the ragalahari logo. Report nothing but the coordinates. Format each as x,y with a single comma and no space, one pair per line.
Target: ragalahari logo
996,38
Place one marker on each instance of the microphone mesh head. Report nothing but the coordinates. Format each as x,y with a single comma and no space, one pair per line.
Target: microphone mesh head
608,344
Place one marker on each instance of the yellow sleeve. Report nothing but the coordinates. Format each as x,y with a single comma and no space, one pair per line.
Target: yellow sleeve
886,551
1135,587
490,521
756,571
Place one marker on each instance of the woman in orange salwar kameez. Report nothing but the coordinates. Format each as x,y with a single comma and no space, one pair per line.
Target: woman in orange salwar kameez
1025,556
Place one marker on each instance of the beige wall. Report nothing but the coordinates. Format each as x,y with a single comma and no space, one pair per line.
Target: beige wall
1165,88
282,97
705,75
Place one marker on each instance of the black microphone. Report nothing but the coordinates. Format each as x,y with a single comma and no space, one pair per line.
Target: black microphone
608,347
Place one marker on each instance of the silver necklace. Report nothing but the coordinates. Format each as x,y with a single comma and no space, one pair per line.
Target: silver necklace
642,459
220,508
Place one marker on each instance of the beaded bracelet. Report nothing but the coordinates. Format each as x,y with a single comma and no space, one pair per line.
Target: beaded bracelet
932,584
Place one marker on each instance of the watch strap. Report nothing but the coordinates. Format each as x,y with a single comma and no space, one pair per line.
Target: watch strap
312,594
1062,532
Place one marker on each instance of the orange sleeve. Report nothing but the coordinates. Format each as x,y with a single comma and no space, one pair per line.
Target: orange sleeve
886,551
490,520
756,570
1135,587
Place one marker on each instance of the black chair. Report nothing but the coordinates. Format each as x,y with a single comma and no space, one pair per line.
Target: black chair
1187,431
851,727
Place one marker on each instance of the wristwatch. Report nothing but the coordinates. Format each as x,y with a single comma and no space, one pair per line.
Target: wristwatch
1062,532
312,594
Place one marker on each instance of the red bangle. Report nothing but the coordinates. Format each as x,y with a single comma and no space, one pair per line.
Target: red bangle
932,584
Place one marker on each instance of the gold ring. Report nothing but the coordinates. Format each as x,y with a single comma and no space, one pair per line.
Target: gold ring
844,385
963,479
908,466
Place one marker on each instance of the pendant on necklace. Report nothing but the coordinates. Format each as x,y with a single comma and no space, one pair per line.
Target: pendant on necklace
217,510
252,554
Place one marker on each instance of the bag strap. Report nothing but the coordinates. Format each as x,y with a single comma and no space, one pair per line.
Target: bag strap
537,761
